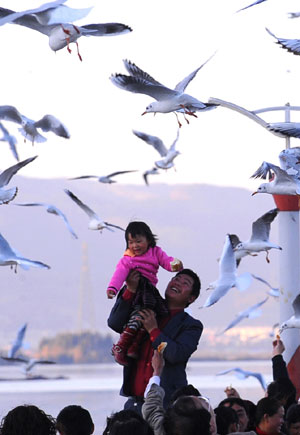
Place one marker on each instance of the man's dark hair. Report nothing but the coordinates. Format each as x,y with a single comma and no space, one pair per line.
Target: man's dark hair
183,417
27,419
235,400
283,390
137,228
197,283
74,420
225,416
127,422
268,406
186,390
293,415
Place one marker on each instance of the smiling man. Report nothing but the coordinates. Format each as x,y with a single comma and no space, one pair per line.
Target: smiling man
179,330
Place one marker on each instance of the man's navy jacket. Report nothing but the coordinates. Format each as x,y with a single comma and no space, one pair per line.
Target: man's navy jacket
182,333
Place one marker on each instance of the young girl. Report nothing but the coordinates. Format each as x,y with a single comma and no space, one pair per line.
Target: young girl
141,254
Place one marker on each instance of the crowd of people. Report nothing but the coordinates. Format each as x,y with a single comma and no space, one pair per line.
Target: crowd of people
188,412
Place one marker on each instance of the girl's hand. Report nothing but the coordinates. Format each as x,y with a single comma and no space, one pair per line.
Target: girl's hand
110,294
176,265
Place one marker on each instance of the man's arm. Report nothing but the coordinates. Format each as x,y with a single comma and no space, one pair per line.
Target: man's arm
278,363
178,349
152,409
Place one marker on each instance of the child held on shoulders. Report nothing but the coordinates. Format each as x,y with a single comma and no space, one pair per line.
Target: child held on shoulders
142,254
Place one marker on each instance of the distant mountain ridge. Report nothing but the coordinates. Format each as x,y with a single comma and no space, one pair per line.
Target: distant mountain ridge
191,222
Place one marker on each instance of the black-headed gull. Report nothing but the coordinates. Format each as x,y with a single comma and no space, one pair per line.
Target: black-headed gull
11,140
249,313
293,321
56,23
50,208
28,364
259,240
95,222
168,154
282,184
107,179
9,257
291,45
168,100
227,276
243,374
7,195
18,342
29,127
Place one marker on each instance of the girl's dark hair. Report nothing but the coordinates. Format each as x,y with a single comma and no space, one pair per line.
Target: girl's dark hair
268,406
293,414
137,228
27,420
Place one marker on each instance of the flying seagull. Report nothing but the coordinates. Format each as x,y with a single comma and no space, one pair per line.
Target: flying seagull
95,222
28,363
285,129
249,313
103,178
227,276
294,321
259,240
153,171
29,127
291,45
56,23
18,342
243,374
9,257
282,184
11,140
53,210
167,100
167,154
7,195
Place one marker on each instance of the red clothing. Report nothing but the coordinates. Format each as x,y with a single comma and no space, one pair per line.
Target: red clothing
261,432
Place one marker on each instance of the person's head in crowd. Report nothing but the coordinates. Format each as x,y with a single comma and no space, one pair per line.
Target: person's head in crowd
186,417
282,390
241,408
127,422
227,420
27,420
186,390
269,416
251,409
292,420
74,420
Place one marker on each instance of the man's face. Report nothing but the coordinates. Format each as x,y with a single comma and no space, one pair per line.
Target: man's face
242,414
178,291
294,428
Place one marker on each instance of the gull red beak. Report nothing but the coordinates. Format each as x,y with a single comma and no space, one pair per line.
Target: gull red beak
254,193
144,113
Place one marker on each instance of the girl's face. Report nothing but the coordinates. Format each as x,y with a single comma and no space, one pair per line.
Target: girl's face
138,245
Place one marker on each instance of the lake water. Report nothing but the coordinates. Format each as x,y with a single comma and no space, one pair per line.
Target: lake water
96,387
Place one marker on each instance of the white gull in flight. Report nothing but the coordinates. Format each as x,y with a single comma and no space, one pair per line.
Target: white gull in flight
7,195
9,257
248,313
28,364
227,276
107,179
291,45
282,184
52,210
56,23
294,321
167,100
29,127
95,222
243,374
259,240
153,171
